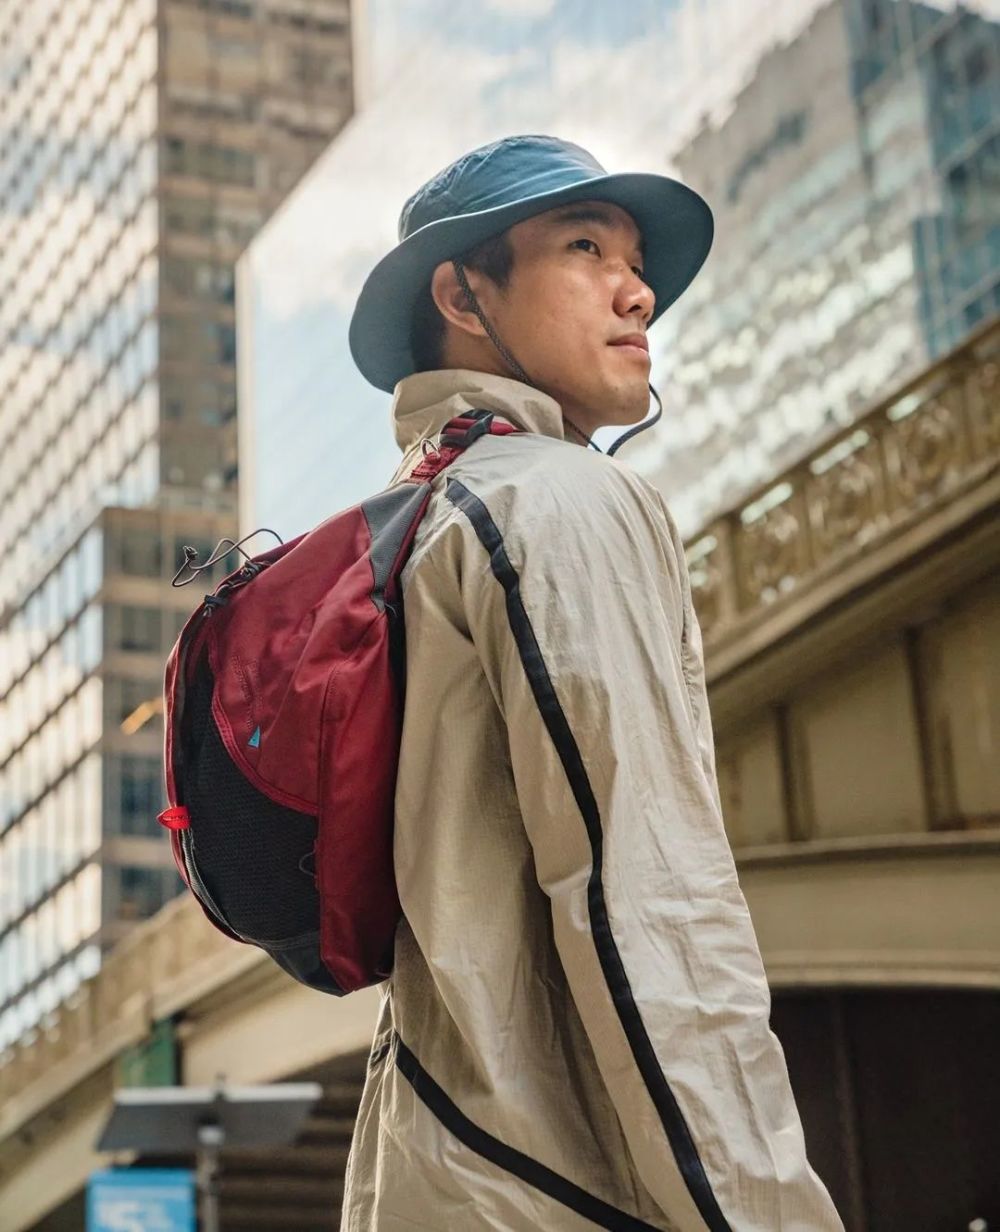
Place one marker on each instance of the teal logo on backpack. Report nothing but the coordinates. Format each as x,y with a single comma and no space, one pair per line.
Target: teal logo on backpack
254,741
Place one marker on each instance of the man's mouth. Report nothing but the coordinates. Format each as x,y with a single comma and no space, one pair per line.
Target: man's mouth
632,343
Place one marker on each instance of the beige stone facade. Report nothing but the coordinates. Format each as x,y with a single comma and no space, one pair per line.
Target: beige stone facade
851,631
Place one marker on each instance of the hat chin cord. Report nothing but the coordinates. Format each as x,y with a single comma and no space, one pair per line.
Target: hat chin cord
521,375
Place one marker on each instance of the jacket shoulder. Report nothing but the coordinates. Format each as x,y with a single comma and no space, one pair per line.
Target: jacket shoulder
561,491
543,468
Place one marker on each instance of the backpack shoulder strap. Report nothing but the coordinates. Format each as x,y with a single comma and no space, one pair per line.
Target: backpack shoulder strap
456,436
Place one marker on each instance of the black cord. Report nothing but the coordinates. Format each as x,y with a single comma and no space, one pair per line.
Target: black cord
218,552
646,423
521,375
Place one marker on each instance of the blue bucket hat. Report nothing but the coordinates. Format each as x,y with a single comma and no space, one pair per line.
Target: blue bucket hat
491,189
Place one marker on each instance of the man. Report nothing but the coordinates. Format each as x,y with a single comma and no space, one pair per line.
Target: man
575,1034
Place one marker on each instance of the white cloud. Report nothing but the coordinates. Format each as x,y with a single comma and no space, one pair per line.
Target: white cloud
631,105
626,104
522,8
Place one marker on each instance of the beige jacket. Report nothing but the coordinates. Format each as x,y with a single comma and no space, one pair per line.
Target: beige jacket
575,1035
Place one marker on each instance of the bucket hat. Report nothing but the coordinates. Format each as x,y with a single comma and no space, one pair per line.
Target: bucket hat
492,188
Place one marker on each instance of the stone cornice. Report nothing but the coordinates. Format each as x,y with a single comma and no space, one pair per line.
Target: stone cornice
876,492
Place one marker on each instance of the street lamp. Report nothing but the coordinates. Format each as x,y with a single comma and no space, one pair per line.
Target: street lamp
169,1120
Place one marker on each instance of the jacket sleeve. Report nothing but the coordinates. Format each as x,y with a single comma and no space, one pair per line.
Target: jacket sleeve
577,597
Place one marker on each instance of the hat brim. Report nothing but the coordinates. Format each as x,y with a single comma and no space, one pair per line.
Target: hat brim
676,225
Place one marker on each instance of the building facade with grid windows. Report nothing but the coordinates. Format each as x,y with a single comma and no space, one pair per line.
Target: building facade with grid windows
142,144
856,191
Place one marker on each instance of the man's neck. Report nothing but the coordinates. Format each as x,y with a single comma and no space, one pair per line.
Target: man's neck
574,434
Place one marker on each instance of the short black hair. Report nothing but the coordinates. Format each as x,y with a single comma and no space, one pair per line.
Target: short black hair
495,259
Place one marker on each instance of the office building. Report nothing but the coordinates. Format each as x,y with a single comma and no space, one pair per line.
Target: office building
142,144
856,190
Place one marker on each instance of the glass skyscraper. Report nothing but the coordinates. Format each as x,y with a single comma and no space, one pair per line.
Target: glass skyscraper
856,190
142,143
848,149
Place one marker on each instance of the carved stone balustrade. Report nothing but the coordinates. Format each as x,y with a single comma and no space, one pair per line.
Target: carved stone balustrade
910,453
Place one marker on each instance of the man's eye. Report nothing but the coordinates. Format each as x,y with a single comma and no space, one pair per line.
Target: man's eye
637,271
592,242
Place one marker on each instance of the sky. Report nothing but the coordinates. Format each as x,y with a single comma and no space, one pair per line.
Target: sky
631,83
618,79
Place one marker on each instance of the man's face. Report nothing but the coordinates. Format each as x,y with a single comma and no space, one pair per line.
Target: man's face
575,293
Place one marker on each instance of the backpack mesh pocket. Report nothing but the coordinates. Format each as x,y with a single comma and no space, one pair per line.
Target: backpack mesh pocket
251,853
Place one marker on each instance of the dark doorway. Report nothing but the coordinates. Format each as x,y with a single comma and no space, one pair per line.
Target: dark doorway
899,1092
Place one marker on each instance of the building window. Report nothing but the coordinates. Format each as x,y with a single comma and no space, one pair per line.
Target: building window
140,628
223,340
140,551
86,647
313,66
203,159
236,224
180,620
141,795
233,8
187,340
191,398
192,216
196,279
132,701
227,222
238,51
143,891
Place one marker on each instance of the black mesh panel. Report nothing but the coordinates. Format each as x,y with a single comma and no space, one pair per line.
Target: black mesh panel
247,849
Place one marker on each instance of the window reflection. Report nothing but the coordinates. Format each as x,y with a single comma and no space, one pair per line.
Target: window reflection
89,899
141,787
140,551
141,891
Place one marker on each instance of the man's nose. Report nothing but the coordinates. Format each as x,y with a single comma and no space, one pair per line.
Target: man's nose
635,296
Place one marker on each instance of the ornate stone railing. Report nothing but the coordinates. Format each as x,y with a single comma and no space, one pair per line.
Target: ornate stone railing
911,452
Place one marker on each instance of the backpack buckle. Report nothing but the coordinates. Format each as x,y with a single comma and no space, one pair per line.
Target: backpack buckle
462,439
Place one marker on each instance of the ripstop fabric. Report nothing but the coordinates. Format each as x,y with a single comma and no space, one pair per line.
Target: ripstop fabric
576,1030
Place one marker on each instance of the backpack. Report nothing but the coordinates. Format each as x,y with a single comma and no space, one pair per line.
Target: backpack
283,703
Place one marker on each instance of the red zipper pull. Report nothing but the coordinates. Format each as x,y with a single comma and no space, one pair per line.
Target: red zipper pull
175,818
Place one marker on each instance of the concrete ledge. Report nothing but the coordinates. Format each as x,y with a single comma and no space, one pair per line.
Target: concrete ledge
896,920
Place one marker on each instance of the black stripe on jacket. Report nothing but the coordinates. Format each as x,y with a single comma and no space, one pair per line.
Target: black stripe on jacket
515,1162
664,1100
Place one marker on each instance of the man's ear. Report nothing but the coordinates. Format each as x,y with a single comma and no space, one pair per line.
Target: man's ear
451,300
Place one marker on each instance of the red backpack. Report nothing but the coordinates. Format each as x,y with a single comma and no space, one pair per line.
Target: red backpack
283,703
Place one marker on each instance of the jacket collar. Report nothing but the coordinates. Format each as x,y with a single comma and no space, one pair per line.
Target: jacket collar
424,402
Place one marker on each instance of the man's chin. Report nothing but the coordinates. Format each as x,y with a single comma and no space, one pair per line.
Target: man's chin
632,409
610,406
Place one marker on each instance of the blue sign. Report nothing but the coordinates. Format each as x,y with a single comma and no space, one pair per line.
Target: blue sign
141,1200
